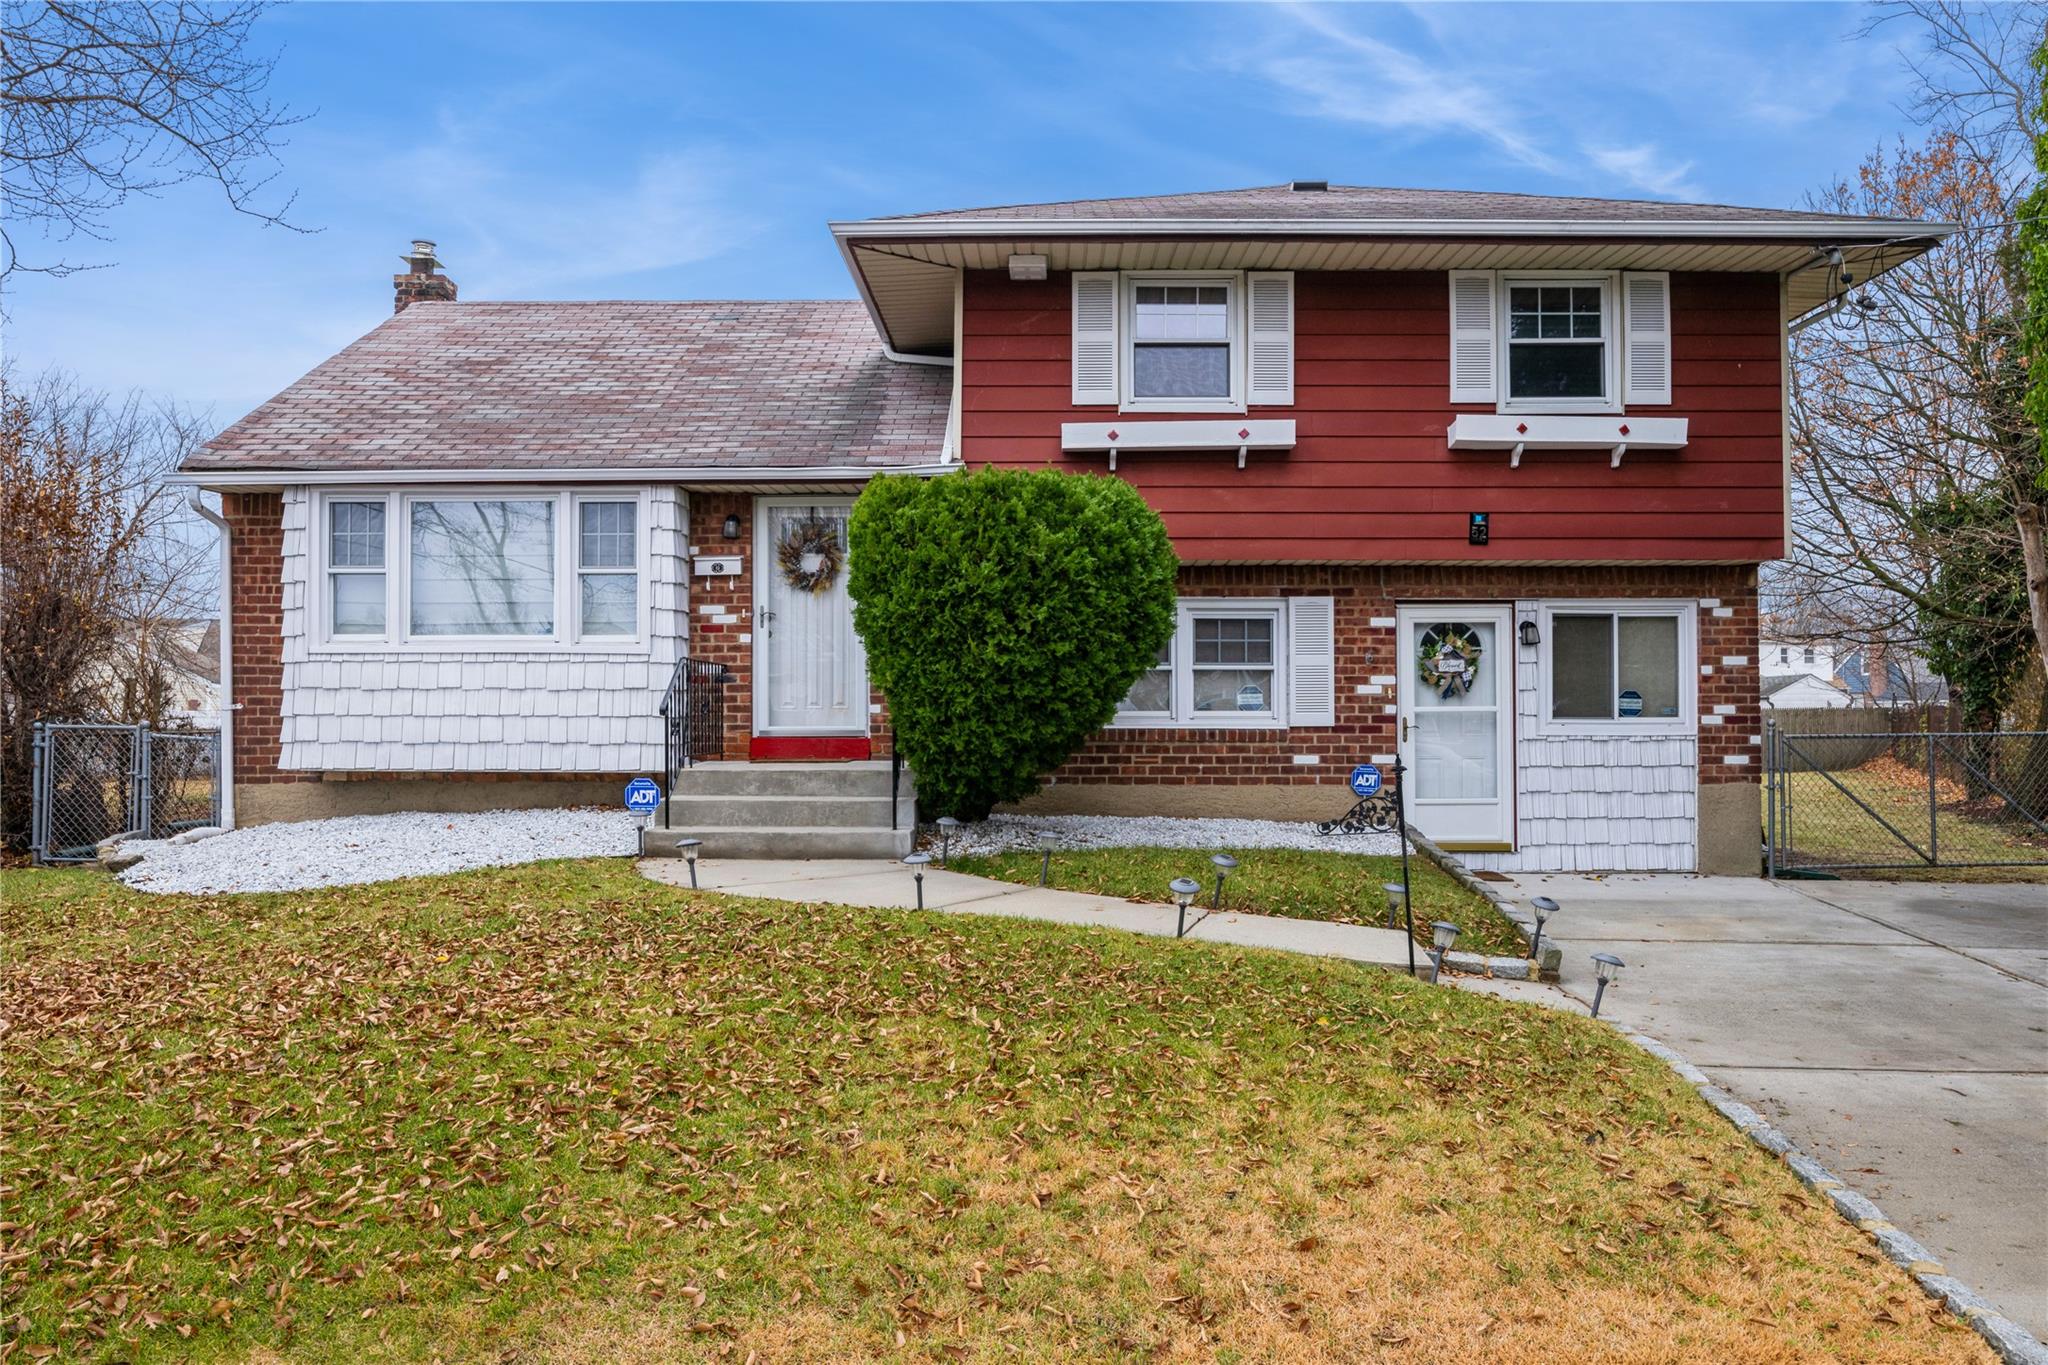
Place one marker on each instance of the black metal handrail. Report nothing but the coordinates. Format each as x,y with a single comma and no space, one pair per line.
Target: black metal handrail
693,719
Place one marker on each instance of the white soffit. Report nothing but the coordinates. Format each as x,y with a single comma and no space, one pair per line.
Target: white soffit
908,285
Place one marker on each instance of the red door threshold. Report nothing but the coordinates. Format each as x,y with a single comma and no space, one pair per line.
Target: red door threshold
809,748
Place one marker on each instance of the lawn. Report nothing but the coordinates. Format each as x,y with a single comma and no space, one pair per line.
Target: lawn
1828,827
1294,883
559,1112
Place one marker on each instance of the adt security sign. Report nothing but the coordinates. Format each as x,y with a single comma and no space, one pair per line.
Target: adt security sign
1365,780
642,796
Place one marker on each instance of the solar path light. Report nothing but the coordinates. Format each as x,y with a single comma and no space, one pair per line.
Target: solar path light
1225,864
1606,966
689,848
1544,907
1047,841
1397,901
1446,933
916,863
1184,889
947,824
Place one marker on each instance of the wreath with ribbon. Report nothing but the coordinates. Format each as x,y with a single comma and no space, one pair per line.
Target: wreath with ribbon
1453,645
810,555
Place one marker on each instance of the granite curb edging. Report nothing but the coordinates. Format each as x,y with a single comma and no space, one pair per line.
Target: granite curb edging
2012,1343
1553,957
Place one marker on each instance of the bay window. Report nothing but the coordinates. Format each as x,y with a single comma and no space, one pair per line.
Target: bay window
516,569
1617,666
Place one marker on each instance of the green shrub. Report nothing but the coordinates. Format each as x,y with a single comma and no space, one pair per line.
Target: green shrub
1005,614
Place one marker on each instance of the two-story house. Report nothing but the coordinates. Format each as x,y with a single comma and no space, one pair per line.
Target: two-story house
1478,480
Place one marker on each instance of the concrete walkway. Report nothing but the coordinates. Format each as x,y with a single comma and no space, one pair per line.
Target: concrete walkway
1897,1032
888,885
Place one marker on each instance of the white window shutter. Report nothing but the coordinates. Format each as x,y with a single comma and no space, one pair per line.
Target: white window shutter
1474,355
1646,327
1095,337
1311,661
1272,337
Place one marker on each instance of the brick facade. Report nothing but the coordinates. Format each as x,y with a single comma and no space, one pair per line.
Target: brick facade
256,601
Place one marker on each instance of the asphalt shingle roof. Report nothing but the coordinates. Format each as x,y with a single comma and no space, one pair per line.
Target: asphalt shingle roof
1280,202
463,386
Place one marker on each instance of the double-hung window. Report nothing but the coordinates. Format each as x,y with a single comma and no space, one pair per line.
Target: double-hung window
1183,338
1617,666
1227,666
438,569
1558,342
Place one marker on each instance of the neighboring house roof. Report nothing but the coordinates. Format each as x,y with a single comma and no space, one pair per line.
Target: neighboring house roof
612,386
1773,686
1373,203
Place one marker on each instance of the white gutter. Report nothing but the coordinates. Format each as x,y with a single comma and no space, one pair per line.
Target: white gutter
228,705
1846,230
690,474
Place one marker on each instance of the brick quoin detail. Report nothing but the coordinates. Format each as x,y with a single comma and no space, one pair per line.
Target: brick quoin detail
256,600
1365,727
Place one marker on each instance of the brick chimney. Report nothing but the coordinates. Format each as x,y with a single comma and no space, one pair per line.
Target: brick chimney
421,282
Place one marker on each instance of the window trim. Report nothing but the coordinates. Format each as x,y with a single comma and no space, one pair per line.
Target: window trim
1609,282
1180,655
1686,722
397,638
1127,344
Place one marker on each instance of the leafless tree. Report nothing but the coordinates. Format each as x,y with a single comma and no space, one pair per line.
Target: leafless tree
103,99
1907,403
99,568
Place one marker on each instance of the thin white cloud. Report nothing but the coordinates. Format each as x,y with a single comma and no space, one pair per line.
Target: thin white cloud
1356,78
1644,167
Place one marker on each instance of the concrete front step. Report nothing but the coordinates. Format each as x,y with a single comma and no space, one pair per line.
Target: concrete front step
786,812
812,841
869,777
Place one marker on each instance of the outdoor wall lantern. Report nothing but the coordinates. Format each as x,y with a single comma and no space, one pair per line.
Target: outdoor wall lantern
915,862
1544,907
1184,890
1225,864
947,824
1047,841
1606,966
1397,901
1530,636
1446,933
732,526
689,848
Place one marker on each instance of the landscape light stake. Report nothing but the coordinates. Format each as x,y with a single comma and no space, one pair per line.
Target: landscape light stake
1401,830
1446,933
1046,841
1224,865
1544,907
1397,901
1606,966
916,862
689,848
1184,889
947,824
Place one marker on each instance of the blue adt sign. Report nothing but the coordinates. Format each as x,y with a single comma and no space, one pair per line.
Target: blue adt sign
1365,780
642,796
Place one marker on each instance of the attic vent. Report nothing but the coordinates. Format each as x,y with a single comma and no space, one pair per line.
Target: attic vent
1309,186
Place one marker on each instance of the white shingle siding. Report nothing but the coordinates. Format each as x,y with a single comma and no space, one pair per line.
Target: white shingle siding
470,710
1591,804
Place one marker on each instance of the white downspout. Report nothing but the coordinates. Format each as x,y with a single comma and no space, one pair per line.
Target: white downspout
227,658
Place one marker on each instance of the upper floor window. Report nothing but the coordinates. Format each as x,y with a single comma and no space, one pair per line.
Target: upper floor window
1556,342
1183,341
1180,340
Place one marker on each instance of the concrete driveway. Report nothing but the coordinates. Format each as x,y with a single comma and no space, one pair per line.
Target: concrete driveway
1898,1032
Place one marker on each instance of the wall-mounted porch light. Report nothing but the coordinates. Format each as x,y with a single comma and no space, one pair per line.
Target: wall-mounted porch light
1027,267
732,526
1184,890
1530,636
1606,966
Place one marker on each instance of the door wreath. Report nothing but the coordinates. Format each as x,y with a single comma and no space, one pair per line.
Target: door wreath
810,555
1449,659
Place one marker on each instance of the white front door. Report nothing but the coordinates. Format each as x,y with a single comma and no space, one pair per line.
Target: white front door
810,674
1457,696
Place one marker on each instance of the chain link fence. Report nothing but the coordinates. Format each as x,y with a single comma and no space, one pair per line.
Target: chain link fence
93,781
1895,800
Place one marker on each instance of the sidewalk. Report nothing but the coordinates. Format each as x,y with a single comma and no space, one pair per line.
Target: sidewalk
885,884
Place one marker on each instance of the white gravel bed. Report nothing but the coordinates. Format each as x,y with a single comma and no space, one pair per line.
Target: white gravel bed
376,848
1002,832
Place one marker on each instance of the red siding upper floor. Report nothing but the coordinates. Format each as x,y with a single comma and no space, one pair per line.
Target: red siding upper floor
1371,478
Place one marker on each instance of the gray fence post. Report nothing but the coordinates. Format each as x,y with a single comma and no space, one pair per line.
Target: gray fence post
144,806
38,800
1933,807
1770,798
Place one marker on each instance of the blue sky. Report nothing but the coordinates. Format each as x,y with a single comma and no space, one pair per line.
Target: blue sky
697,151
